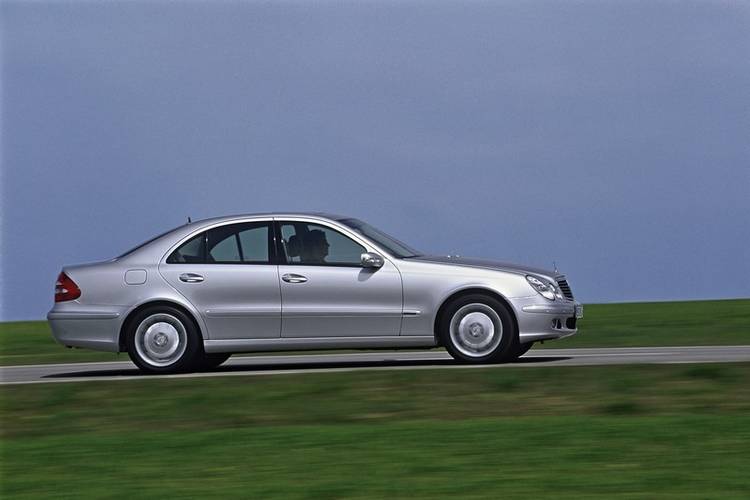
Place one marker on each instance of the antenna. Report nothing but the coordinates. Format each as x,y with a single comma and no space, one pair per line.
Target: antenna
189,220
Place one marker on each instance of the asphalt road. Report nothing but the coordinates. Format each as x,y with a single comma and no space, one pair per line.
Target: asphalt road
315,363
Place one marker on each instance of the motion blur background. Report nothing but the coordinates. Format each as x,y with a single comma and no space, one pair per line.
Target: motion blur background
611,137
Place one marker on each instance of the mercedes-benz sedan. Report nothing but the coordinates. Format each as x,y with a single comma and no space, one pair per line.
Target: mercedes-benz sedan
189,298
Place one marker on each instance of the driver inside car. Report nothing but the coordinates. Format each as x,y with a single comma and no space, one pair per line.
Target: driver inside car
315,249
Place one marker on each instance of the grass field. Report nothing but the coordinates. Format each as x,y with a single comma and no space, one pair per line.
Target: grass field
656,431
649,324
720,322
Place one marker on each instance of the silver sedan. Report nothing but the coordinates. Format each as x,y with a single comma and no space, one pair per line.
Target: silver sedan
189,298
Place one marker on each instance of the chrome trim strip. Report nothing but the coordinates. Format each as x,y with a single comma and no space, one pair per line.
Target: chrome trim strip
83,315
549,309
338,313
412,312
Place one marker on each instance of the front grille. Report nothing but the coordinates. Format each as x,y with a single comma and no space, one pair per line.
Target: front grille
563,283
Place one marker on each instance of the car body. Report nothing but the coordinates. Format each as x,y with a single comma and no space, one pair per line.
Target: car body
271,282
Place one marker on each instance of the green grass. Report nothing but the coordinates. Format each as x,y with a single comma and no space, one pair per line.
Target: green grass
716,322
649,324
644,431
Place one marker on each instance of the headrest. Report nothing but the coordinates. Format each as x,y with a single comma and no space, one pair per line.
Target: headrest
293,246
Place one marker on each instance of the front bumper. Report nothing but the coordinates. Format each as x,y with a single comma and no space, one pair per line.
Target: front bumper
546,320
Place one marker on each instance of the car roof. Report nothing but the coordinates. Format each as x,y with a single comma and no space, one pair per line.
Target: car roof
320,215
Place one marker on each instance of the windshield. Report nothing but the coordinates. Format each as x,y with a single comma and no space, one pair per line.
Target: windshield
394,247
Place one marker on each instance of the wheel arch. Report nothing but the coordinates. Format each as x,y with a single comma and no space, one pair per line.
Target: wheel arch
122,339
470,291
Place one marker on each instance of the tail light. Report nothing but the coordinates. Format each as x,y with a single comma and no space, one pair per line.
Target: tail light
66,289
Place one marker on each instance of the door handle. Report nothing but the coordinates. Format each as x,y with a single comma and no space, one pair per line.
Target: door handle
191,278
294,278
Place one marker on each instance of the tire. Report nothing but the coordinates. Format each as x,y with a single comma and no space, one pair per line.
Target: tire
477,328
211,361
523,349
163,339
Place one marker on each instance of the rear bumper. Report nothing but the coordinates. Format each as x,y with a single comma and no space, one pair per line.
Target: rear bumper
546,320
95,329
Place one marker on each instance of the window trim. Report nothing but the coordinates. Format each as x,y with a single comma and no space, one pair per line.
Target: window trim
281,254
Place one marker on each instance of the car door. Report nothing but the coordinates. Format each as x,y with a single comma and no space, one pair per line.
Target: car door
325,291
228,273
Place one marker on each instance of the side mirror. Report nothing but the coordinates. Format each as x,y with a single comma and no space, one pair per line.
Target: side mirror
372,260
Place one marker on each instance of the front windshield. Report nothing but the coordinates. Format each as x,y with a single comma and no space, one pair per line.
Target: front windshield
394,247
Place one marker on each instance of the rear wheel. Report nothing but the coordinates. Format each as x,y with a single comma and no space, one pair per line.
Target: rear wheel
163,339
479,329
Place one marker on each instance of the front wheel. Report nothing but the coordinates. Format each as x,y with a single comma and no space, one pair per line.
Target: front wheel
479,329
163,340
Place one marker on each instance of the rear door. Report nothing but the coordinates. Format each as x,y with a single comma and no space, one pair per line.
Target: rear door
326,292
228,273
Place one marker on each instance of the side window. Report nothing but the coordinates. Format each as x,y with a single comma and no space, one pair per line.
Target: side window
313,244
254,244
238,243
190,252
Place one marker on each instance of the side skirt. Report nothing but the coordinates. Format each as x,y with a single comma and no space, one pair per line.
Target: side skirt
293,344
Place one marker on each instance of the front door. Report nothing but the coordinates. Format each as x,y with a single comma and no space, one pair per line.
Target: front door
227,273
325,291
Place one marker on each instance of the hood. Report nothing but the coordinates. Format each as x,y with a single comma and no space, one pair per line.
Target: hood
486,264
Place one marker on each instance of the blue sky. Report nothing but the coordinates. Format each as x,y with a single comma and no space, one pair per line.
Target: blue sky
612,138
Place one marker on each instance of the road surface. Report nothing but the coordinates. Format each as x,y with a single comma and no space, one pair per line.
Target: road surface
264,364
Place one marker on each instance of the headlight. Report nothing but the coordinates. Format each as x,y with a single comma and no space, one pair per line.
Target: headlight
545,288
